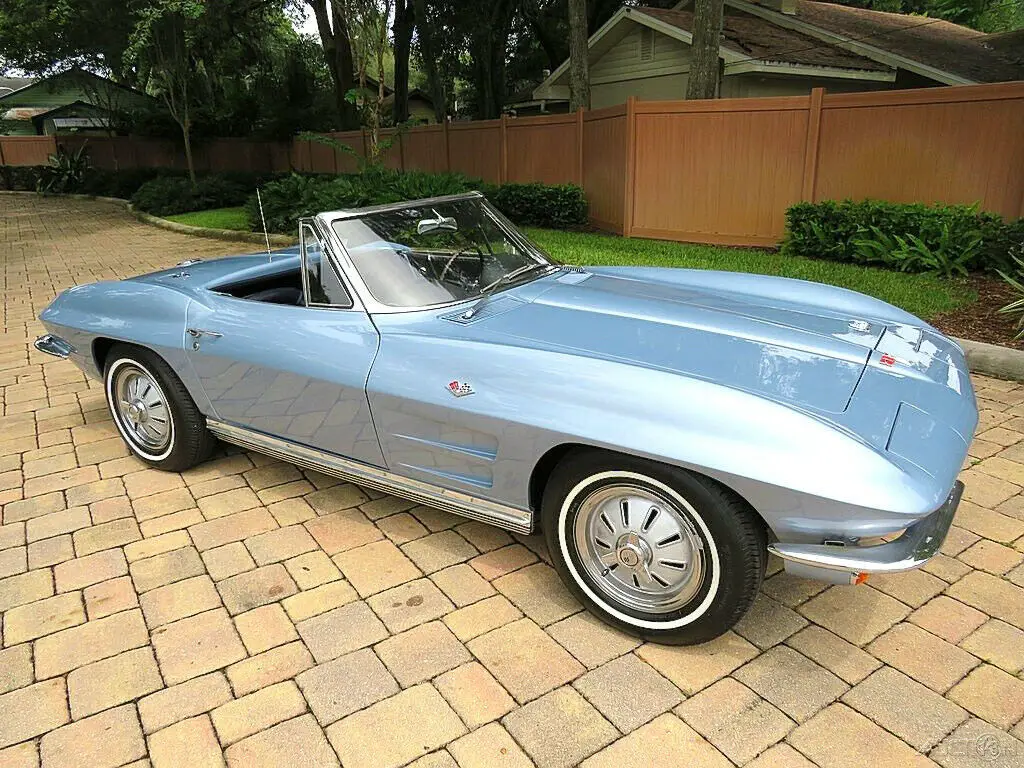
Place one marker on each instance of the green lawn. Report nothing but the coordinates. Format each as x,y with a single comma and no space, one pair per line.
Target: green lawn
921,295
216,218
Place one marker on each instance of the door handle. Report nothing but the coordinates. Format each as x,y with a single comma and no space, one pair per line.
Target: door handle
195,333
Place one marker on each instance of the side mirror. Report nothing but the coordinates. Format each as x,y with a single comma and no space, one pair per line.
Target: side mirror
445,223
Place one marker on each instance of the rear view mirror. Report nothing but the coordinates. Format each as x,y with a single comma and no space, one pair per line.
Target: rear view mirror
445,223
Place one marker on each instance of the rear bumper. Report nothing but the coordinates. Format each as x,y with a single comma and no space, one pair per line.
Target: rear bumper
843,565
54,345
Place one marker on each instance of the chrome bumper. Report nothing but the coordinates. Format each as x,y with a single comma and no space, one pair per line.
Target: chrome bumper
53,345
844,565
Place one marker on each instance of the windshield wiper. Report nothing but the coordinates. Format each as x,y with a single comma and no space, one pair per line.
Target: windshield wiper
486,291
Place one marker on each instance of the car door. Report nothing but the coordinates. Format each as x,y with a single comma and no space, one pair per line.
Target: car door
294,372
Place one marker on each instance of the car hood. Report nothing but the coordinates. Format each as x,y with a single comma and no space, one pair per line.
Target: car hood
801,343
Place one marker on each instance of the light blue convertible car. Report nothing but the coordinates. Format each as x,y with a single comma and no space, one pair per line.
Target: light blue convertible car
666,429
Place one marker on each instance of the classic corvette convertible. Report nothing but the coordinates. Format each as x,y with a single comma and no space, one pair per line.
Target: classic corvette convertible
666,429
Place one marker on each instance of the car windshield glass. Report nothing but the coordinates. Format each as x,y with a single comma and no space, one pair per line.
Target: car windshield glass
436,253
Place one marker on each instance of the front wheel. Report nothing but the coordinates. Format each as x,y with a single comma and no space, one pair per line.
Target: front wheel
153,410
652,549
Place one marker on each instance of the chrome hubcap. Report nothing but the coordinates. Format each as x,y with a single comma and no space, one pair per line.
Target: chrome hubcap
142,409
640,547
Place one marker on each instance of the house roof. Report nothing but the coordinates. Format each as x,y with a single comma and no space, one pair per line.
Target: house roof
836,40
52,87
759,39
937,43
9,84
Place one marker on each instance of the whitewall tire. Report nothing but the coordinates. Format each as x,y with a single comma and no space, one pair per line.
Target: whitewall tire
652,549
153,411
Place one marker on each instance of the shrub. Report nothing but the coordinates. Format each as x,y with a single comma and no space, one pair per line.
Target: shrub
556,206
20,178
66,170
168,195
946,239
288,199
122,183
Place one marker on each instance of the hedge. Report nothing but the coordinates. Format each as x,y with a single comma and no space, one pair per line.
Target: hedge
290,198
946,239
287,197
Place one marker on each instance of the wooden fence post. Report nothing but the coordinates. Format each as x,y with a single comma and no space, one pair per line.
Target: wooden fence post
2,160
810,176
447,150
579,146
503,139
401,150
627,213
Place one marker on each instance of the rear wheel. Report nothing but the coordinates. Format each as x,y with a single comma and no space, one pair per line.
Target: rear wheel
654,550
153,410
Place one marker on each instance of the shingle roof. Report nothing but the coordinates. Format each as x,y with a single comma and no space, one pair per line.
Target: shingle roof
762,40
937,43
8,84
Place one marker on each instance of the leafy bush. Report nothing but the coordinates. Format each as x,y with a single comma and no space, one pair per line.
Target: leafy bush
20,178
65,171
555,206
290,198
122,183
167,195
945,239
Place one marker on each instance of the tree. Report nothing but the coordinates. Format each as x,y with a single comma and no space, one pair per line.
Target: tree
488,23
579,65
369,39
707,31
405,21
334,36
167,43
433,54
46,37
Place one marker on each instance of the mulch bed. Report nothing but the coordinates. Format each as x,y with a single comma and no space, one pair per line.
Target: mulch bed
981,320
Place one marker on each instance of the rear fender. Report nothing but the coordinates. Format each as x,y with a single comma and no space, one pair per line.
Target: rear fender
133,312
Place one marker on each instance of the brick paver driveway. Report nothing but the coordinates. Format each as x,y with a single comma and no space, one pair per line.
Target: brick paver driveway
251,611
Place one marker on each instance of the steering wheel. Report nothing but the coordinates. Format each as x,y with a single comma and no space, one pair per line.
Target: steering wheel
461,252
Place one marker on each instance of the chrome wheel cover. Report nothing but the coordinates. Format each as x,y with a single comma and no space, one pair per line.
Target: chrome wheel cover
640,548
140,408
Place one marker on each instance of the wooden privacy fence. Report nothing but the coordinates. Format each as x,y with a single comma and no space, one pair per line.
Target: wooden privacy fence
721,171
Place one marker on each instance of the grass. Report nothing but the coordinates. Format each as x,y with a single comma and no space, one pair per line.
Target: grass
921,295
216,218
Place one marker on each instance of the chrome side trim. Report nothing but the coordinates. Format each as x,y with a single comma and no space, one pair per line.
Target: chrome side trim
53,345
510,518
916,546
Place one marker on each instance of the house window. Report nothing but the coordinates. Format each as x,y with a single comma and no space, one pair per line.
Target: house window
646,44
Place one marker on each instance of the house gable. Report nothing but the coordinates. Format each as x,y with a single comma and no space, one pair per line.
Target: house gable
642,44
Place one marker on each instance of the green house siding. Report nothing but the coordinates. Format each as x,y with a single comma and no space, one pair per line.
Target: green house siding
61,90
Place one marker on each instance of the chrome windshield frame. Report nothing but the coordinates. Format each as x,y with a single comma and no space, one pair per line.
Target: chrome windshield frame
354,279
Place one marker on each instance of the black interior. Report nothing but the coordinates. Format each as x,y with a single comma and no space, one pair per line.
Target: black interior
283,288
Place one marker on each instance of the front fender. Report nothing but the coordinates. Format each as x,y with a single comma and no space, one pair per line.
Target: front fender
791,466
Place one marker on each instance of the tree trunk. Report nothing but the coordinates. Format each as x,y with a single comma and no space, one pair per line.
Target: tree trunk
707,32
404,22
579,66
186,134
338,55
428,48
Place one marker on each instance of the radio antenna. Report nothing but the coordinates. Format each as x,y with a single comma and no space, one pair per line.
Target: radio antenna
264,220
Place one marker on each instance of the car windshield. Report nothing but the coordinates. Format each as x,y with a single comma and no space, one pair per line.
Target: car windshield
437,252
